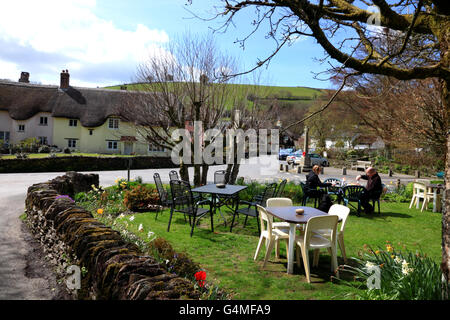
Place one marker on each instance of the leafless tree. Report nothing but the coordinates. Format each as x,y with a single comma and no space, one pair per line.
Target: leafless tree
186,82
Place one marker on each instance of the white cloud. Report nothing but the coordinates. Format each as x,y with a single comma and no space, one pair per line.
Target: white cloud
9,71
70,28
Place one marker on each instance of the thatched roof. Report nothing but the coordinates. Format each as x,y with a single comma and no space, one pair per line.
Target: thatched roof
91,106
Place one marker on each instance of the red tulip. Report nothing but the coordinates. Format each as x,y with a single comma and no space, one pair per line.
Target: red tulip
200,276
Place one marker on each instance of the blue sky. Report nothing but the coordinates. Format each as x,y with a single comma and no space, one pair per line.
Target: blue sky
101,42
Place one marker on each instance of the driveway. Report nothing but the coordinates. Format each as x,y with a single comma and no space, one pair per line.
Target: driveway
23,276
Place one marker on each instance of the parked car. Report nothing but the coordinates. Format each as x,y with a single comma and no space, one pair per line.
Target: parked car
283,153
294,156
315,159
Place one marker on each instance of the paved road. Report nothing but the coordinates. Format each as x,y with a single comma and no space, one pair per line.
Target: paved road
15,250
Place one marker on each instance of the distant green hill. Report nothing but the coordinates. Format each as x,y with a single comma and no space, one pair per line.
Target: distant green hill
299,96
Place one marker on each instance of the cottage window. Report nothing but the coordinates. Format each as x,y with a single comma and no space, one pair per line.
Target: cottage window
43,140
72,143
4,136
113,123
21,128
73,122
43,121
155,148
112,145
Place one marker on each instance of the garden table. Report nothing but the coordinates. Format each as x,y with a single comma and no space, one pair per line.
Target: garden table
229,190
288,214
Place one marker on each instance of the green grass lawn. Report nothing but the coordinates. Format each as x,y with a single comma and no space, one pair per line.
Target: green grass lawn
228,257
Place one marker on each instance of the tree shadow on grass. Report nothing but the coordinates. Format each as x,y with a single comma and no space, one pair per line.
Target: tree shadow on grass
382,215
319,275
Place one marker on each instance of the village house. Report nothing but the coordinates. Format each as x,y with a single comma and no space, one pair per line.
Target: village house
81,119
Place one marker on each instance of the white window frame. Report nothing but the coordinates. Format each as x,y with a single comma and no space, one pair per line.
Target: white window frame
113,123
111,143
43,140
155,148
73,122
4,136
43,121
72,143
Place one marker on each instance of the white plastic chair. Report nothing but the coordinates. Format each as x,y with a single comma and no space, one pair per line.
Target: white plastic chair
283,226
342,212
268,232
279,202
429,197
420,192
310,240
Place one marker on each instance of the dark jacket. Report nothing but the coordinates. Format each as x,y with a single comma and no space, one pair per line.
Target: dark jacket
313,181
374,186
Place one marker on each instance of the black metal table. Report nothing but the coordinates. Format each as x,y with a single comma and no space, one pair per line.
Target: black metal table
229,190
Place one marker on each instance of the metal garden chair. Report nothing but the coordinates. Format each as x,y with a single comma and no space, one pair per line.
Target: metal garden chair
251,208
183,201
164,199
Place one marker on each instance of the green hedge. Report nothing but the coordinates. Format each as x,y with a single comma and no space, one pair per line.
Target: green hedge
74,163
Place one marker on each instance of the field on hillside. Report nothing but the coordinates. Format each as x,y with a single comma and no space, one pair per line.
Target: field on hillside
301,96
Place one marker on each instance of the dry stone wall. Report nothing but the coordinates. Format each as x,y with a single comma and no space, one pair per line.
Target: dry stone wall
114,268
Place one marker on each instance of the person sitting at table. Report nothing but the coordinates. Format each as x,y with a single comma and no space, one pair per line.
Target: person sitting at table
313,183
373,189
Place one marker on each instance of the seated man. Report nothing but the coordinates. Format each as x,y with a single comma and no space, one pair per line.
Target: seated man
313,182
373,190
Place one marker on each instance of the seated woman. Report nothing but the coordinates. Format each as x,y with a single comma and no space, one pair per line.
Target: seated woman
313,183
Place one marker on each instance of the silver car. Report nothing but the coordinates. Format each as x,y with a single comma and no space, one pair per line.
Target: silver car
316,159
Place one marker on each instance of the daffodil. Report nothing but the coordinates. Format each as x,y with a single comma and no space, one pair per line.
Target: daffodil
389,248
100,211
141,228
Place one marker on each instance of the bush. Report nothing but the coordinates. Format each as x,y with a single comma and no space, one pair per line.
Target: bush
403,194
22,155
140,198
402,275
44,149
67,151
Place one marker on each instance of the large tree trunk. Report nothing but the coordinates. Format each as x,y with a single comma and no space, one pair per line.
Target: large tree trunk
445,60
445,266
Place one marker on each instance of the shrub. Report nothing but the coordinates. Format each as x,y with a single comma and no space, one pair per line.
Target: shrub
67,151
44,149
402,275
403,194
140,198
22,155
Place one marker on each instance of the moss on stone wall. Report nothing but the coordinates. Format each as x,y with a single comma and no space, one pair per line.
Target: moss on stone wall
115,269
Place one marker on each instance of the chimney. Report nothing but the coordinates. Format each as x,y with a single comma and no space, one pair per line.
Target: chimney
64,84
24,77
